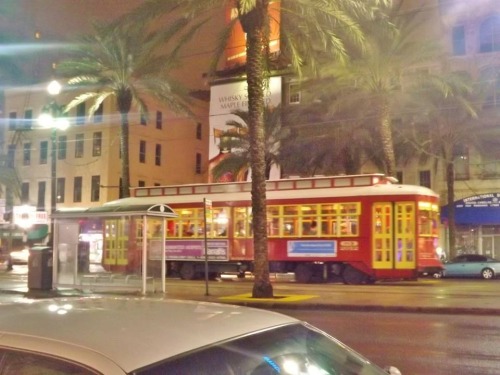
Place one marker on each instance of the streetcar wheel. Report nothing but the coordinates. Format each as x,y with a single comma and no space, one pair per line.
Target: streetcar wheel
187,271
213,275
437,275
303,273
487,273
352,276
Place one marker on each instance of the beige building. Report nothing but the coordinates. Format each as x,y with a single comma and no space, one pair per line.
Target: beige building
470,36
165,148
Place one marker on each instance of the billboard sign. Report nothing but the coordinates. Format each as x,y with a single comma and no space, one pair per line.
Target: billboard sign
236,54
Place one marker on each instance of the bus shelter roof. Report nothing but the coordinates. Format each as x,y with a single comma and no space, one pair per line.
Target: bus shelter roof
113,210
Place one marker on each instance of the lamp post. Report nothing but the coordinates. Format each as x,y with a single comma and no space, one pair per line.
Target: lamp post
52,118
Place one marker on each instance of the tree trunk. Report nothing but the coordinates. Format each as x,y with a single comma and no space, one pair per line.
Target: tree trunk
450,186
125,159
254,25
124,102
385,133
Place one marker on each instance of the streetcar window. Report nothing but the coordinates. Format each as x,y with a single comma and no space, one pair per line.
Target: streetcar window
242,222
273,221
328,209
273,227
427,219
220,222
347,218
289,227
290,210
314,220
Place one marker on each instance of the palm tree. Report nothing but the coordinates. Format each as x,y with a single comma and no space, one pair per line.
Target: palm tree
444,119
124,63
328,138
323,28
376,76
236,139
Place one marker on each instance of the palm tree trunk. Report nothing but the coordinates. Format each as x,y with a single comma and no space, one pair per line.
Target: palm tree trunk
253,24
385,133
450,187
125,161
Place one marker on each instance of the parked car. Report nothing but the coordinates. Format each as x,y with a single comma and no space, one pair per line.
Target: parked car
472,265
120,335
20,256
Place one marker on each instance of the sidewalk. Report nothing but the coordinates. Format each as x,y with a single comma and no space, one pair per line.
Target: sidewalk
480,297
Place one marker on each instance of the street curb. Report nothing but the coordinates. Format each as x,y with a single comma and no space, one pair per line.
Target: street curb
41,294
368,308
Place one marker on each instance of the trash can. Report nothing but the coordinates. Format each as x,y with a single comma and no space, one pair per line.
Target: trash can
40,268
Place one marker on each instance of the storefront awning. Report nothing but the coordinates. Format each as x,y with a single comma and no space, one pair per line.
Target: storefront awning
482,209
38,232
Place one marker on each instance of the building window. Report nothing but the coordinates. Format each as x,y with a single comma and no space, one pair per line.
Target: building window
80,114
198,163
11,156
98,114
144,120
158,155
425,178
489,35
62,145
294,93
12,120
27,154
44,151
60,189
95,189
159,120
25,192
458,35
142,183
490,78
142,151
97,144
77,189
79,146
40,203
198,130
461,162
28,119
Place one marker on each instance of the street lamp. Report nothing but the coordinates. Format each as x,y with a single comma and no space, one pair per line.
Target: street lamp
52,117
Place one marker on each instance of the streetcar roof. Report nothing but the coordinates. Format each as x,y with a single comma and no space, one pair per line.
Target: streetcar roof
231,195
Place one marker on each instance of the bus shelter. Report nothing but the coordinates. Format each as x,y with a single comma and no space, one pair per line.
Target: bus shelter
112,247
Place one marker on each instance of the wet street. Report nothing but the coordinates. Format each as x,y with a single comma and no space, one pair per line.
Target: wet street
436,327
418,344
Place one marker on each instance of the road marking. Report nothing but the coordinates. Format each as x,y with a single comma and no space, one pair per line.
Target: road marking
277,298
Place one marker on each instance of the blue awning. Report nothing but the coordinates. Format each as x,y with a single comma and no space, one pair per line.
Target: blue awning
481,209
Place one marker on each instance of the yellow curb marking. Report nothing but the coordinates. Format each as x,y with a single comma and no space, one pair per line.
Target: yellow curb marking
277,298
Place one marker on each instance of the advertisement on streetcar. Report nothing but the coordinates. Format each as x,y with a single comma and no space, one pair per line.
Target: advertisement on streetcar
195,250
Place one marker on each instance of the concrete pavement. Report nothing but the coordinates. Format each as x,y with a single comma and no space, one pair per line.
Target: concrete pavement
425,296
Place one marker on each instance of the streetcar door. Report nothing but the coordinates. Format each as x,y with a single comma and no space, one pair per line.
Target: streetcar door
115,242
393,241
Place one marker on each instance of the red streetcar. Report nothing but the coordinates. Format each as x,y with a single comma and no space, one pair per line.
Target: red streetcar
362,228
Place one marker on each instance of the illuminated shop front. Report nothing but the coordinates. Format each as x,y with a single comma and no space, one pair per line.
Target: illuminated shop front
477,221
